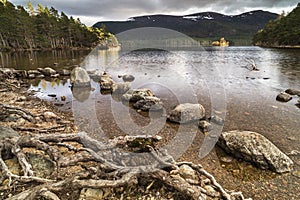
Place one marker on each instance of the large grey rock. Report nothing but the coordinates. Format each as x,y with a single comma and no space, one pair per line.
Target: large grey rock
106,81
47,71
187,112
79,77
149,103
6,132
120,88
137,94
283,97
253,147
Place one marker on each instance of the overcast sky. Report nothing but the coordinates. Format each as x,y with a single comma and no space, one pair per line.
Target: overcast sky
92,11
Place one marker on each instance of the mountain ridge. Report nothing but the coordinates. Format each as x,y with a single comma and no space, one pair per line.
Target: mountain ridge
205,25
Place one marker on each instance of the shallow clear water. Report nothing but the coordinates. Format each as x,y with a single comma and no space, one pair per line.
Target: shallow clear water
218,78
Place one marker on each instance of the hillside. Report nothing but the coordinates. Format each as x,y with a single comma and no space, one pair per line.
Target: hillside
206,25
44,28
284,31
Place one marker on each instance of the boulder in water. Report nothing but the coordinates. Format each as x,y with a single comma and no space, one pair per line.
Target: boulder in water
80,78
187,112
255,148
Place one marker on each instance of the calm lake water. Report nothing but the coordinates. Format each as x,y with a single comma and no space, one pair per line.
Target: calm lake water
218,78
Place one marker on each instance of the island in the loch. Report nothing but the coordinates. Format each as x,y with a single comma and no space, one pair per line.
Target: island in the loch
221,43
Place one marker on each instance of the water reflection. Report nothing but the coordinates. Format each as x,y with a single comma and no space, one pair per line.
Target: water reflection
34,59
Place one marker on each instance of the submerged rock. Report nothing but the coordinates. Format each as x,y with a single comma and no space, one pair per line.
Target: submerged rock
292,92
149,103
137,94
253,147
106,81
120,88
217,120
283,97
47,71
187,112
128,78
79,77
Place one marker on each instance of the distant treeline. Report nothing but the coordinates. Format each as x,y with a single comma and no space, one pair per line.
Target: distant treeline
285,31
44,28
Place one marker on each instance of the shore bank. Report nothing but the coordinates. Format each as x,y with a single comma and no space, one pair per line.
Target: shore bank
53,160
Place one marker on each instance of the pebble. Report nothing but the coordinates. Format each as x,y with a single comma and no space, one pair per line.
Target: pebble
226,159
49,115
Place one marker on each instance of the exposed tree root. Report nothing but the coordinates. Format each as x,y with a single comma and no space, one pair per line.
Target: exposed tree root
112,168
8,109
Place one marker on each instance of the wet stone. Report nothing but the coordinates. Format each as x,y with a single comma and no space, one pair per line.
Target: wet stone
216,120
128,78
184,113
149,104
292,92
283,97
205,126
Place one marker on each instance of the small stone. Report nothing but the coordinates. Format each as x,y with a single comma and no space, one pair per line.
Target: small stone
226,159
21,122
283,97
128,78
32,76
187,172
50,115
106,81
216,119
22,98
47,71
55,76
292,92
205,126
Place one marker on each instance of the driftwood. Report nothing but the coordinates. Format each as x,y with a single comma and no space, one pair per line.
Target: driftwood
253,66
109,171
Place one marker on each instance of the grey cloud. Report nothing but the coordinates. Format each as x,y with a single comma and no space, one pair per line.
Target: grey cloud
122,9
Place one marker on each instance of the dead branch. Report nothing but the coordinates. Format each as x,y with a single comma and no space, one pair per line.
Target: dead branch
252,64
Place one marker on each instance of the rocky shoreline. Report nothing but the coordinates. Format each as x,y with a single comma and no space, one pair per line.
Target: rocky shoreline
26,118
43,156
